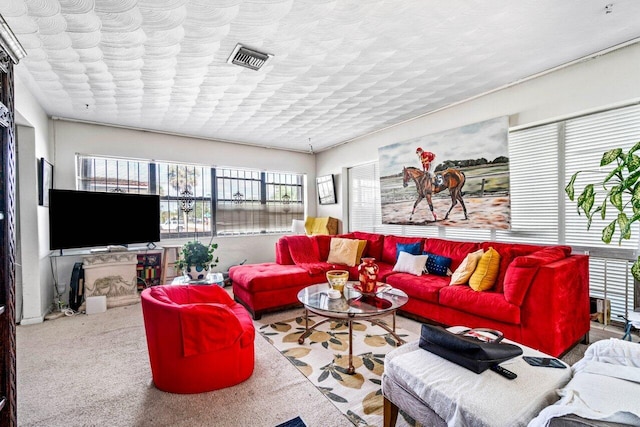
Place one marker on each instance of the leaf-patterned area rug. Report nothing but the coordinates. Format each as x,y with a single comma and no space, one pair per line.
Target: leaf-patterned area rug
324,358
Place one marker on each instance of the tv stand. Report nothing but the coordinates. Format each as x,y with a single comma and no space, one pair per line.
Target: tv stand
92,251
112,274
119,267
98,251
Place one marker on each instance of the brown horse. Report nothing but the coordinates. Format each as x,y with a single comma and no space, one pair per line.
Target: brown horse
451,179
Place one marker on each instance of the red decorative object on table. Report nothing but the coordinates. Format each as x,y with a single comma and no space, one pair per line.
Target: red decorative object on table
368,275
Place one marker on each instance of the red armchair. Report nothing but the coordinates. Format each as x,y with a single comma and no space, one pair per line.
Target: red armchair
198,338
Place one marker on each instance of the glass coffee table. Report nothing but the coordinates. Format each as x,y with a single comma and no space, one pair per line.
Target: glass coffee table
211,279
352,305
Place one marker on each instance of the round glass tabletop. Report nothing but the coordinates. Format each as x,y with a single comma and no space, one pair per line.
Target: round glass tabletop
352,302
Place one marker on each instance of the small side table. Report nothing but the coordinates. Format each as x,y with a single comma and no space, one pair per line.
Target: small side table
174,252
211,279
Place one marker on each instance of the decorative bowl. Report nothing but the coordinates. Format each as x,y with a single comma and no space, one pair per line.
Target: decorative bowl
337,279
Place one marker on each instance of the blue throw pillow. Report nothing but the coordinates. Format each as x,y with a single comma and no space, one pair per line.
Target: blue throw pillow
412,248
437,264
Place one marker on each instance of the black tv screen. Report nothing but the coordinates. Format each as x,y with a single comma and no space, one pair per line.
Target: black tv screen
80,219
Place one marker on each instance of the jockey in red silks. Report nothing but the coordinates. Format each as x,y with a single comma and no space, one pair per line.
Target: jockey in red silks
426,157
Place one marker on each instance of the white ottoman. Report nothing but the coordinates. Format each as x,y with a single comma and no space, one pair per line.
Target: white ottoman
437,392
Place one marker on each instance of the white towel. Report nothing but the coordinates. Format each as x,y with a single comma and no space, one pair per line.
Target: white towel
605,386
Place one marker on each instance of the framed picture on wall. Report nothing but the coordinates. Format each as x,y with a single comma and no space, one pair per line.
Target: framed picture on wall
326,190
45,181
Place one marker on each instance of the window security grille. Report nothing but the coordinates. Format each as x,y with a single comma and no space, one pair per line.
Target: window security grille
197,200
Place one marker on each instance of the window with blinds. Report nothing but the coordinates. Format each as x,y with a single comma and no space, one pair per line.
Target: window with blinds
586,139
534,185
541,161
253,202
200,199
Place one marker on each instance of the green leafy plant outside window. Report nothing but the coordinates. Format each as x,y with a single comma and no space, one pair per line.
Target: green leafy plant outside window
621,189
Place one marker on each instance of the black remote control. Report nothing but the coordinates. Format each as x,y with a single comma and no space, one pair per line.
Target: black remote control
504,372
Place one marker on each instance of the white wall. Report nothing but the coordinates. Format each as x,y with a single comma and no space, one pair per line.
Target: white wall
70,138
34,284
58,141
606,81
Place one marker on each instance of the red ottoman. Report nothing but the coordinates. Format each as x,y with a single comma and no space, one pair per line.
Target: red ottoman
198,338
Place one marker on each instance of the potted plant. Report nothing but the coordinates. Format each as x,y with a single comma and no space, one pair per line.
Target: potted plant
196,259
621,190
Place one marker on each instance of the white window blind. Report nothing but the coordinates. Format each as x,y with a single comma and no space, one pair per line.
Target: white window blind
533,178
586,139
611,279
364,197
365,213
473,234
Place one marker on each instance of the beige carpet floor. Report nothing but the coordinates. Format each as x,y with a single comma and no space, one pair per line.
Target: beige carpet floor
93,370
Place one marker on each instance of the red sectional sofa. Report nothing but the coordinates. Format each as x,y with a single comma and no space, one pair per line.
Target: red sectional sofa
540,298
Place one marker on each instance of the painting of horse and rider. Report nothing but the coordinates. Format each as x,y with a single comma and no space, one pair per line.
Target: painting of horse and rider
458,177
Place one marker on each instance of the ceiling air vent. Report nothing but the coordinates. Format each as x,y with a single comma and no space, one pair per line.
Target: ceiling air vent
247,57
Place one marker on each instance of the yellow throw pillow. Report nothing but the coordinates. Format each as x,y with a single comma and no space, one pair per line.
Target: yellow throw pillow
343,251
486,272
466,268
361,245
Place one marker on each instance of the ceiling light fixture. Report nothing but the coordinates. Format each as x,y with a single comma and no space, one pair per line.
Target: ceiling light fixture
248,57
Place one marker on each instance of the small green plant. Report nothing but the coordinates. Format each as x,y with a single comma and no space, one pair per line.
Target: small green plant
621,191
197,254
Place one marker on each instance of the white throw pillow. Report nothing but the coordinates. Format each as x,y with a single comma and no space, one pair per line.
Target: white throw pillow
412,264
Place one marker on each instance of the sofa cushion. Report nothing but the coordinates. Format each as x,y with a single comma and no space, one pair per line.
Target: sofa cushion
375,243
282,252
323,243
466,268
491,305
411,248
451,249
486,273
437,264
550,254
343,251
508,251
517,280
522,270
384,271
336,254
408,263
425,288
362,246
389,246
271,276
304,253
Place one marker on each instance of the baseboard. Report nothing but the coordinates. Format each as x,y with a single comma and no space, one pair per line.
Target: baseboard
32,320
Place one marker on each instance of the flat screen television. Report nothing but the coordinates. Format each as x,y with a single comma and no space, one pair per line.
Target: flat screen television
83,219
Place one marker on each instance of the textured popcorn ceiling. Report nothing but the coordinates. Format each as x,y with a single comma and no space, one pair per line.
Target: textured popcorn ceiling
341,69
